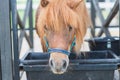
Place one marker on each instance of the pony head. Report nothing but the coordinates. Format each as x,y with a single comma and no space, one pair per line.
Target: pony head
59,24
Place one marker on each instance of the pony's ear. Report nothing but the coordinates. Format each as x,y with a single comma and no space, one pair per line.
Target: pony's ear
74,3
44,3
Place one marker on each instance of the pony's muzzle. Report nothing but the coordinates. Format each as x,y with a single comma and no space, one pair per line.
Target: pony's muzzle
58,68
58,65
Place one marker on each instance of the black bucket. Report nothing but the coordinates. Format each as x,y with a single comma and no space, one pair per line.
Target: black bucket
106,43
95,65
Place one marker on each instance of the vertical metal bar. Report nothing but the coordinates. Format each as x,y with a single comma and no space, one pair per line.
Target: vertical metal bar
15,40
27,9
93,17
119,36
5,41
119,18
119,74
0,64
31,23
119,40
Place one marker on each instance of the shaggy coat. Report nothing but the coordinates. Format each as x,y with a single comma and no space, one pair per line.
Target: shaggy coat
55,13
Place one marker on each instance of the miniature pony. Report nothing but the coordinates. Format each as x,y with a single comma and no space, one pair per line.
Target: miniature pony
61,26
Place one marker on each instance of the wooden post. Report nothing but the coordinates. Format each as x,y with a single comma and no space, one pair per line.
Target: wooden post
5,41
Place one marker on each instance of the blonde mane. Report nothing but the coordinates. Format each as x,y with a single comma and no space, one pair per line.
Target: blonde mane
57,14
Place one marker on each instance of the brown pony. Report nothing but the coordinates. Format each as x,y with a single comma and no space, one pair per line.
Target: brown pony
58,24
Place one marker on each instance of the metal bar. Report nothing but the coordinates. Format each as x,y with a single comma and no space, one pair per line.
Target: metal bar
98,10
119,32
119,21
117,26
31,23
113,54
23,33
98,0
19,21
6,71
93,17
21,39
0,62
27,9
119,74
35,28
0,56
15,40
110,17
112,14
22,24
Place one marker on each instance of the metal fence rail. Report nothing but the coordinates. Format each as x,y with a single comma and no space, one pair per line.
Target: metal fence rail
110,17
28,13
96,11
18,40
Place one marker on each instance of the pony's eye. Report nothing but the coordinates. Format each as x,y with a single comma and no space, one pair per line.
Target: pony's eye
44,3
70,28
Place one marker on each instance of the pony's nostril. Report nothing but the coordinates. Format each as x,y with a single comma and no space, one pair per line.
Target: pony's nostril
51,63
64,64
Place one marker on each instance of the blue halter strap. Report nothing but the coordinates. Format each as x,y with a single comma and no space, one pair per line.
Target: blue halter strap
51,50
